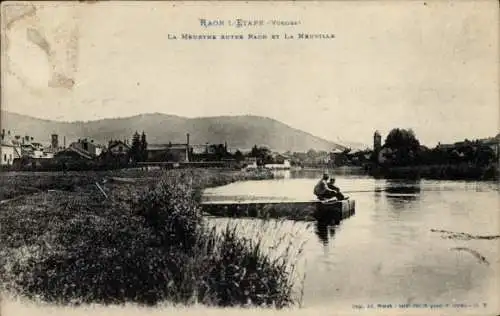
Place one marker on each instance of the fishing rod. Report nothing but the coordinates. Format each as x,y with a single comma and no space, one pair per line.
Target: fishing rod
364,191
403,190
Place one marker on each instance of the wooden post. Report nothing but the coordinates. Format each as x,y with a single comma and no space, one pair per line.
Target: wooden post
102,191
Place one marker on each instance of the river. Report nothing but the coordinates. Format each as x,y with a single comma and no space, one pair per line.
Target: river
387,252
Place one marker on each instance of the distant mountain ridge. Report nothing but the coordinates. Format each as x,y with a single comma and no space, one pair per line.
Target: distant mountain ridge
238,131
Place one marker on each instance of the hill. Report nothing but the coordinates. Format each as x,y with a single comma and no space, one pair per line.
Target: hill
238,131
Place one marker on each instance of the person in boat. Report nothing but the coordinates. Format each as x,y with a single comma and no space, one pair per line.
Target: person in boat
331,186
322,190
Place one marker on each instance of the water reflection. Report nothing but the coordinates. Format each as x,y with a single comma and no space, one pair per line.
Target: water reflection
324,232
403,186
387,252
377,194
317,173
305,174
282,174
397,191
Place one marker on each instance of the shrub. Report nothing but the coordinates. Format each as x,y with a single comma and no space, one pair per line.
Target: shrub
240,273
171,213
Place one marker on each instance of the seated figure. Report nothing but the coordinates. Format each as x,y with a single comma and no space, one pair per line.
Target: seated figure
322,189
337,193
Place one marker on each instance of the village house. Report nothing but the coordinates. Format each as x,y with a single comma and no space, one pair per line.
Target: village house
50,150
280,163
359,157
48,153
210,149
492,142
210,152
9,152
32,149
72,154
83,149
385,155
99,149
234,150
171,152
118,147
321,157
337,157
168,152
86,146
200,149
10,149
279,158
21,147
201,152
250,160
25,150
446,147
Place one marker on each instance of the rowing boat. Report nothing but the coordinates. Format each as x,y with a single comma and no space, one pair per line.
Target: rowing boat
334,210
328,210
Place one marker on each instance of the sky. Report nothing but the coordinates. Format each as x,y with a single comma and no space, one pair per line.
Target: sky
432,67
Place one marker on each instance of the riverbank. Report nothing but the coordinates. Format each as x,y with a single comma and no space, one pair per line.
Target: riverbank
141,241
341,170
438,172
14,184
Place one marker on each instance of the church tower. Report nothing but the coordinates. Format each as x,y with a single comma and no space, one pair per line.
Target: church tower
377,146
377,141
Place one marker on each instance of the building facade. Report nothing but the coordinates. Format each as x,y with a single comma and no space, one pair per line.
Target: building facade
72,154
168,152
118,147
86,146
10,149
171,152
9,152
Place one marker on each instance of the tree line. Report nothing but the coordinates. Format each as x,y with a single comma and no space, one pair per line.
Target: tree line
402,148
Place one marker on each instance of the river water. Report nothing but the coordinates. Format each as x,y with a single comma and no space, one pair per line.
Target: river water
387,252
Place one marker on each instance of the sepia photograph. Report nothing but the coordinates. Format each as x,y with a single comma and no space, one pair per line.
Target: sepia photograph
250,158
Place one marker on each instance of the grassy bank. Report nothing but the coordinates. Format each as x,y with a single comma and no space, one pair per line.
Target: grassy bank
14,184
146,243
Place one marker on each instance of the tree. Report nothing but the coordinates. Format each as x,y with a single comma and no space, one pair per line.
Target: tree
238,155
136,147
221,151
402,138
484,156
217,152
259,152
254,152
262,154
143,147
405,145
312,154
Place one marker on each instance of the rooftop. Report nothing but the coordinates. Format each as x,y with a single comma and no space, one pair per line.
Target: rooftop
166,146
